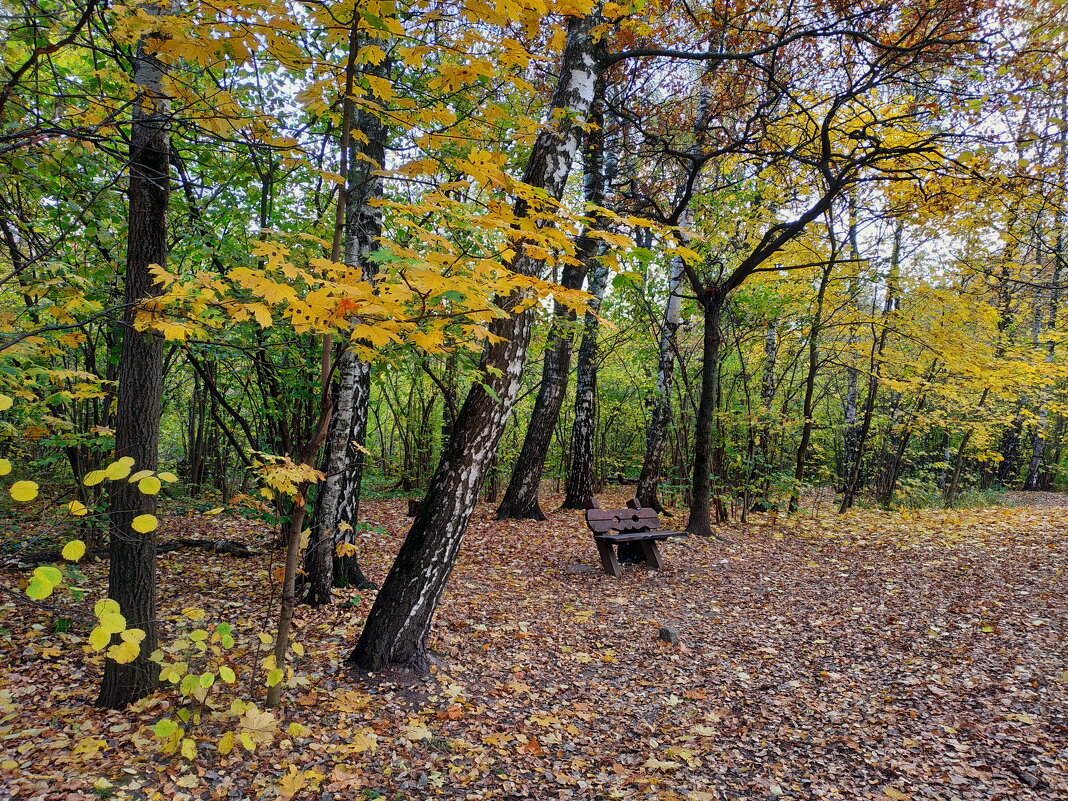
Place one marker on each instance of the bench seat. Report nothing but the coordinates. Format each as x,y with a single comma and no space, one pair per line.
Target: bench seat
635,524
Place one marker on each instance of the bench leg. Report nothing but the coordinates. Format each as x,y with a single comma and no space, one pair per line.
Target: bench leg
608,559
652,555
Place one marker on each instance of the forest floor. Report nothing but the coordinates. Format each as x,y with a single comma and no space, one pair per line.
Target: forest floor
916,655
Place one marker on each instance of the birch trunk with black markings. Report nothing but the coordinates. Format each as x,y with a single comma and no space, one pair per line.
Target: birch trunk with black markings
399,622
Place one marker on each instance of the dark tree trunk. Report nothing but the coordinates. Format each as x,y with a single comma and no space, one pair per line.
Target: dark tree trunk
810,389
700,521
132,568
894,469
660,419
337,503
521,496
852,484
399,622
580,489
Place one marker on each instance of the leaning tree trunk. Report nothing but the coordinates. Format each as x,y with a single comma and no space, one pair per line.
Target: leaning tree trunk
399,622
700,521
656,435
521,497
338,500
132,568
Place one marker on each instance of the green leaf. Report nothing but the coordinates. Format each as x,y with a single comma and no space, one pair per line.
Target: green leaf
39,589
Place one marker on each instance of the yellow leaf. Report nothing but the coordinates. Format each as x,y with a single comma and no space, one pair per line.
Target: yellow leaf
5,403
188,781
124,652
139,475
363,740
170,478
99,638
77,508
416,730
291,784
894,793
298,649
257,725
5,467
275,676
73,550
189,749
193,613
216,510
23,491
144,523
148,486
119,469
226,743
49,574
112,622
135,636
227,674
248,742
39,589
106,606
94,477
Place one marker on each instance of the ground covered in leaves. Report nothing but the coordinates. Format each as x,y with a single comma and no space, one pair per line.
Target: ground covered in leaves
919,655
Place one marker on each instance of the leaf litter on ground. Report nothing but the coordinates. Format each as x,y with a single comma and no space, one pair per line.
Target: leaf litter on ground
913,655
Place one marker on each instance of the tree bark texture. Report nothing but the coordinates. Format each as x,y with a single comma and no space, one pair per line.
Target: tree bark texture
579,490
700,522
337,503
810,389
660,419
399,622
132,568
521,497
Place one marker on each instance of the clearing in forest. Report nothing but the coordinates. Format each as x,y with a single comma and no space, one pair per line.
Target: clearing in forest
915,655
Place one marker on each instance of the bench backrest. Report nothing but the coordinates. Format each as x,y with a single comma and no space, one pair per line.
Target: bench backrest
603,521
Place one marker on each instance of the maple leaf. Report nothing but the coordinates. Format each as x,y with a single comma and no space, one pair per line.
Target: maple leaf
257,726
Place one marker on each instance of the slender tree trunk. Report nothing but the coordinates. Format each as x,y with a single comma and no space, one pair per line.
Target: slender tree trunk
878,346
579,493
958,462
521,496
894,469
660,419
700,521
338,499
399,622
1038,443
810,388
132,568
762,458
850,432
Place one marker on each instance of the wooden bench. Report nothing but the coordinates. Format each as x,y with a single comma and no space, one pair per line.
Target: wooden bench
617,527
